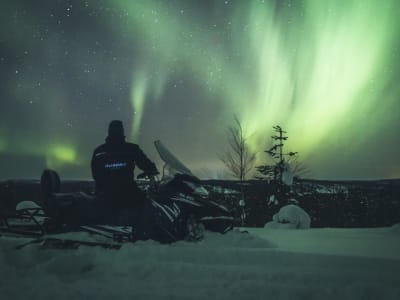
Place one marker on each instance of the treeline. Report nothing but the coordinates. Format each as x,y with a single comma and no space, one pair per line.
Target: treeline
329,204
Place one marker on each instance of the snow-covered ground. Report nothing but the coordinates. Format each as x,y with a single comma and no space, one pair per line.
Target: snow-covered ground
262,264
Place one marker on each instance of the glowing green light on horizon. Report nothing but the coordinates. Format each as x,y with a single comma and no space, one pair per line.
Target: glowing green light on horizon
55,154
59,155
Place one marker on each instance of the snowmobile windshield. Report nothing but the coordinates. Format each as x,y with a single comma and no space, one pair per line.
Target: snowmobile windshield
173,164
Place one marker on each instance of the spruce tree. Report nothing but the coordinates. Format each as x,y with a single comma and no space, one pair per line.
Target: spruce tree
275,171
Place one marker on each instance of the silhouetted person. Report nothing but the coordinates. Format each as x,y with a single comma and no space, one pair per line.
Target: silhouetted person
113,165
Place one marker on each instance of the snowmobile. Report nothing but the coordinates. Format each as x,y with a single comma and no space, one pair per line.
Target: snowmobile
178,208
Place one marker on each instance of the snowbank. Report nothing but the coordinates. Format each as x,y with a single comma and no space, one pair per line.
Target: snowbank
234,266
290,217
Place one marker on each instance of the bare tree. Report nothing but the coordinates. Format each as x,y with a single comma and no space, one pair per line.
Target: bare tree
238,159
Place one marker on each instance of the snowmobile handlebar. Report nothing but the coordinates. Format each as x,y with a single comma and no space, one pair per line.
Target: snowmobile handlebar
152,178
145,175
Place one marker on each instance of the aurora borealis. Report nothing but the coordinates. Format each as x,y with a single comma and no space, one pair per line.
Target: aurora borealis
325,70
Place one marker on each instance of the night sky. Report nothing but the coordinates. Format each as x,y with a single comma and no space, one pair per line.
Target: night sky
326,71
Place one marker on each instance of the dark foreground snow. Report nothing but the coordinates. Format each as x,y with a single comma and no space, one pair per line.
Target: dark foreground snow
265,264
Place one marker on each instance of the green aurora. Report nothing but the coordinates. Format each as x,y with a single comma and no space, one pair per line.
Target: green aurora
320,69
327,71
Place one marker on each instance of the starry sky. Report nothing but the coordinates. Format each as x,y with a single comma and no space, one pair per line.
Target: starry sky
326,71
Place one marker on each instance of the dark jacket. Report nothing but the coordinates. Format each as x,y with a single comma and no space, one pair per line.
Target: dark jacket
113,165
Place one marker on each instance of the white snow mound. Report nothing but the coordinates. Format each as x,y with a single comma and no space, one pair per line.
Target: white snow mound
290,217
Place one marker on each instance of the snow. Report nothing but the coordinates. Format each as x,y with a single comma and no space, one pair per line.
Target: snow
26,205
261,264
290,217
311,188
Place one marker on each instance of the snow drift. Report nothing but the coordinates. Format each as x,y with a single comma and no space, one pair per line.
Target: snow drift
290,217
